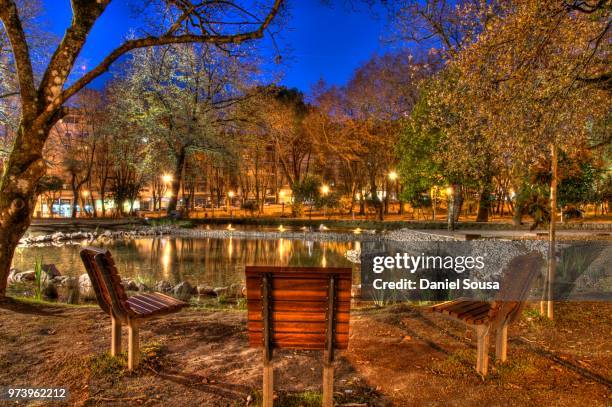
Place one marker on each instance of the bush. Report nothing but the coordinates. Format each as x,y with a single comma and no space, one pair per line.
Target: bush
251,207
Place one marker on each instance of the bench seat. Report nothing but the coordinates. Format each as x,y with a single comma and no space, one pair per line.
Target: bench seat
486,316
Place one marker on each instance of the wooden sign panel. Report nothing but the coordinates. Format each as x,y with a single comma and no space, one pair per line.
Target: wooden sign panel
300,306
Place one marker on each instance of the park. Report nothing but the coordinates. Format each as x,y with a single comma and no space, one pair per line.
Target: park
329,203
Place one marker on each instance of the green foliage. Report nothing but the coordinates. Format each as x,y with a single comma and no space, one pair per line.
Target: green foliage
579,187
251,207
420,165
330,201
305,191
38,278
49,183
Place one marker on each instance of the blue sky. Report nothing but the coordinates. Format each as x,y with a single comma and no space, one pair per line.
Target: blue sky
319,40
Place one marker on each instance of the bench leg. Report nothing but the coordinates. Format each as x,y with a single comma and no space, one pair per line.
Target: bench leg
115,336
133,344
268,384
328,385
482,356
501,344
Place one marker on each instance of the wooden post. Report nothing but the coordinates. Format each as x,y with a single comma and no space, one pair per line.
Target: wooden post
482,355
133,344
328,384
115,336
501,344
268,370
328,354
552,240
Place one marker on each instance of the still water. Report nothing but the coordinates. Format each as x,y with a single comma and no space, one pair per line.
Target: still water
214,262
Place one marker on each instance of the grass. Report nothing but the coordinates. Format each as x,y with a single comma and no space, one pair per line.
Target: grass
458,364
34,301
105,366
218,304
303,399
516,368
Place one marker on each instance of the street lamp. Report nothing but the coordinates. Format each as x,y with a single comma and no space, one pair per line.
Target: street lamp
324,192
167,178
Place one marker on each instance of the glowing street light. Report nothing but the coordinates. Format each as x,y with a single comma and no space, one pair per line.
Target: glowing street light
325,192
230,194
393,175
167,178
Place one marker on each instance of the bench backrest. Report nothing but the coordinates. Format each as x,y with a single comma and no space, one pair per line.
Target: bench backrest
105,281
518,279
298,307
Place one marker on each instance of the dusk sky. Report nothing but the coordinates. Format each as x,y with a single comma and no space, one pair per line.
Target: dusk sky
326,42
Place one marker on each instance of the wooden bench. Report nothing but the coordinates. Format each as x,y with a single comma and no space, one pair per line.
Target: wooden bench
298,308
485,316
123,309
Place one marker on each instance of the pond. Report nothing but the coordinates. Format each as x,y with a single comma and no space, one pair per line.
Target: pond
205,261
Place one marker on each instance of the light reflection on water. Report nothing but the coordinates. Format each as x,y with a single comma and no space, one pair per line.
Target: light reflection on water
215,262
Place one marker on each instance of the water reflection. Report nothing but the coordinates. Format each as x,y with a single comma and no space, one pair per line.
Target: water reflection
208,261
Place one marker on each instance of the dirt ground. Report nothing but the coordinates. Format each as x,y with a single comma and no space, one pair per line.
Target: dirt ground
399,355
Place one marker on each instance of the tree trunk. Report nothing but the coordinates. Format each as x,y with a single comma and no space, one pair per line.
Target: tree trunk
75,198
454,201
458,206
23,170
547,304
483,203
176,181
517,217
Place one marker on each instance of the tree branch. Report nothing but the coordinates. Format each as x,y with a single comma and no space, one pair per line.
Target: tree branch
167,39
84,15
14,30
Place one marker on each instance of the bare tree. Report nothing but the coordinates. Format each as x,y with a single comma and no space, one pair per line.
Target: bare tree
42,102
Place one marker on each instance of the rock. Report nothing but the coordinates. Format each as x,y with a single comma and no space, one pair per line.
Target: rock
11,276
183,289
235,290
221,291
141,287
64,280
129,284
50,291
86,290
354,256
23,276
163,286
51,270
206,290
